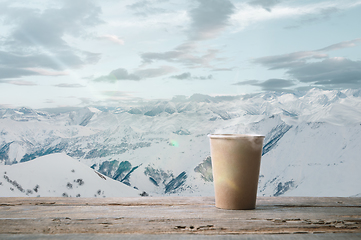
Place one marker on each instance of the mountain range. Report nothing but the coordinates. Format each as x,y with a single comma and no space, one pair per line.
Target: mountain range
161,147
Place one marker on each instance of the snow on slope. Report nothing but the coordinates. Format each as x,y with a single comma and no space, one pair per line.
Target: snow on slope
58,175
313,159
161,147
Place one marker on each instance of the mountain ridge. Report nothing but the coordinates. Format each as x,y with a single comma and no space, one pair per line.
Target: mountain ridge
165,141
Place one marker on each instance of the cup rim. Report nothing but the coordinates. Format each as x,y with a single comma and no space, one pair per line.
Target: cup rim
233,136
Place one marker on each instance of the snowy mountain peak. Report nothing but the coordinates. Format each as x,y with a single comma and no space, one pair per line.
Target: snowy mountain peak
82,116
160,146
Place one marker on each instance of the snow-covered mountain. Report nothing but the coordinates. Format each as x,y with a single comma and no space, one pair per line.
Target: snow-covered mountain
59,175
161,147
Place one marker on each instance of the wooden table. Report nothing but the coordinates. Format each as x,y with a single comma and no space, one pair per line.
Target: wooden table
178,216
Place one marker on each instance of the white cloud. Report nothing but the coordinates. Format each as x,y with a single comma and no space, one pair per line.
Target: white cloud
113,38
69,85
334,72
345,44
246,14
45,72
36,38
22,83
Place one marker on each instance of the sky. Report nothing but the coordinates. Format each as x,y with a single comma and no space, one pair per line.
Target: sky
63,53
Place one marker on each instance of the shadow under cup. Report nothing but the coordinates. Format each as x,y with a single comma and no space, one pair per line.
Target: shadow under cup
236,160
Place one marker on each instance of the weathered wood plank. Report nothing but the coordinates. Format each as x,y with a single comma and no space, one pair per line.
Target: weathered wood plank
84,236
178,215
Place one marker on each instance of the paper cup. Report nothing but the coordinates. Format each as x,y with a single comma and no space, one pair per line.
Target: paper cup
236,160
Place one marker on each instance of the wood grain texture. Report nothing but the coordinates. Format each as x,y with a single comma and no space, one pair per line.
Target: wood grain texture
178,215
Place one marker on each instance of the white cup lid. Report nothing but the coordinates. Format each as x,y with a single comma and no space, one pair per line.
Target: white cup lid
232,136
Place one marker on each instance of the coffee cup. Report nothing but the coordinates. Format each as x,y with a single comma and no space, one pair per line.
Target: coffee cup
236,160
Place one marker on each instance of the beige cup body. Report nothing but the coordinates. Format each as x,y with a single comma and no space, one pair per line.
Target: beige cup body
236,163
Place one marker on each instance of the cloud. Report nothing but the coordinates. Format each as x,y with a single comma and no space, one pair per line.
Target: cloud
209,18
33,28
345,44
69,85
248,82
140,74
118,74
9,72
273,84
22,64
222,69
209,77
36,37
112,38
185,54
183,76
154,72
297,59
139,5
247,14
145,8
331,72
19,82
22,83
289,60
59,61
322,14
317,68
188,76
45,72
266,4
